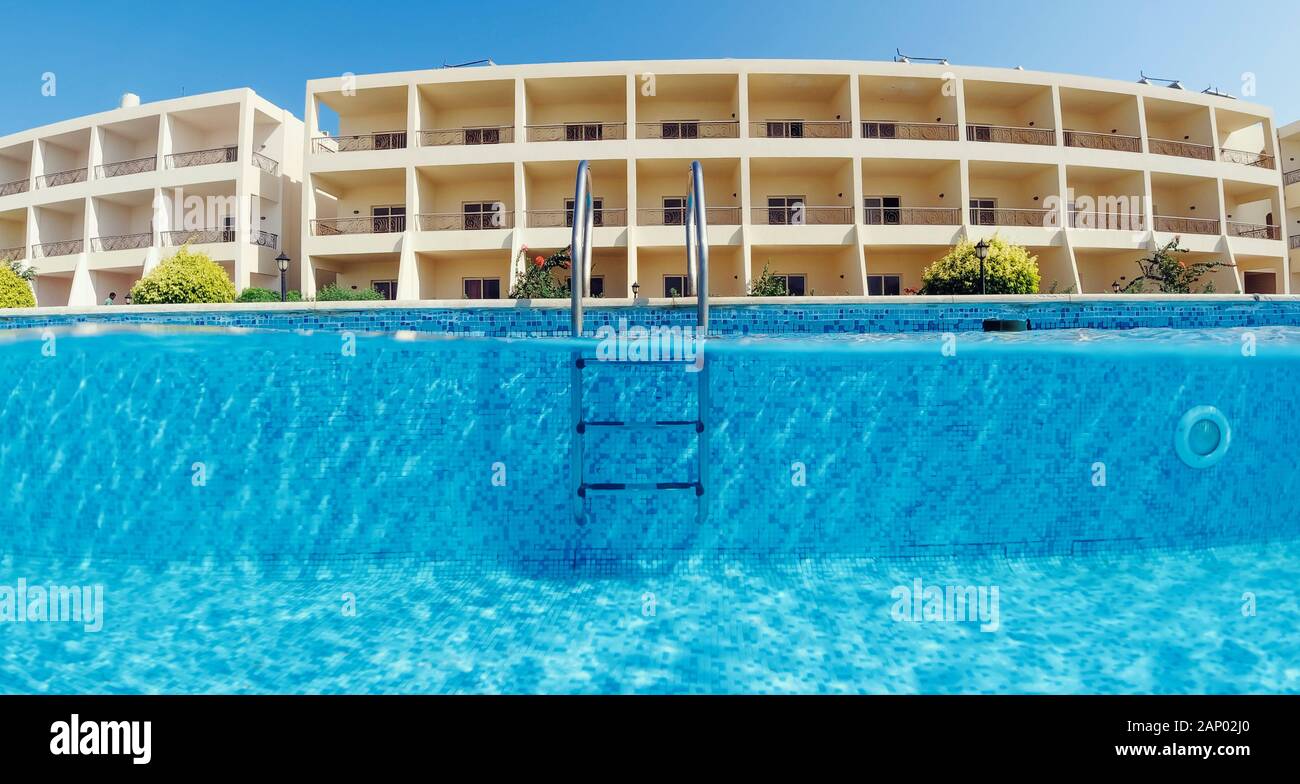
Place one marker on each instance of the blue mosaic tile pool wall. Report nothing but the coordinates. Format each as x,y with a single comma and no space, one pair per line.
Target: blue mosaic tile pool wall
726,320
310,456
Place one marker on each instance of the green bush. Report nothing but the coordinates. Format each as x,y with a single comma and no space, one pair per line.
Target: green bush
332,293
14,291
254,294
1008,269
1164,272
542,277
768,285
187,278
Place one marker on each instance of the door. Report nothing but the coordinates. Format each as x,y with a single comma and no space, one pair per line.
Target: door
982,211
1261,283
674,211
785,210
882,210
388,218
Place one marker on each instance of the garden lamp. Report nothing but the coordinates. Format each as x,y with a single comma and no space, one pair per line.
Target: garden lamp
982,253
282,261
636,289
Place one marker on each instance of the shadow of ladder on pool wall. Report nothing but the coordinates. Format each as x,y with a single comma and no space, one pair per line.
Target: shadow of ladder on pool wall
697,277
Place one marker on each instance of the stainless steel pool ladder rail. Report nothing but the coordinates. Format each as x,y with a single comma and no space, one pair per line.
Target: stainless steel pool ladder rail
697,246
584,226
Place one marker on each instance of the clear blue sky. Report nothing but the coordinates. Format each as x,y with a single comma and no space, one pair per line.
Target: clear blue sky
98,50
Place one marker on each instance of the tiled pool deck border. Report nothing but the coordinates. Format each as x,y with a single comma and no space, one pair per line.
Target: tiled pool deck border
729,316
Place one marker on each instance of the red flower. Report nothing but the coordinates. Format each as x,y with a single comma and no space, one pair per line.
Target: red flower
539,261
564,265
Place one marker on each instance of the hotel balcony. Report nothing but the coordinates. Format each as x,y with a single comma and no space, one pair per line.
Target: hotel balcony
1009,113
182,160
810,270
576,109
802,200
201,137
548,188
661,185
1186,205
909,108
13,187
1108,203
1179,129
1245,139
122,242
661,271
1252,213
15,169
123,168
128,147
1015,195
1100,121
911,201
601,217
476,198
688,106
60,228
371,119
373,224
13,254
357,212
13,235
799,106
461,114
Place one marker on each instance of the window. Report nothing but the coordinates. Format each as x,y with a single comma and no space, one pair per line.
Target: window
783,129
597,285
481,288
796,285
882,210
980,133
982,212
683,129
388,218
783,210
483,215
880,130
887,285
597,218
482,135
227,229
579,132
386,287
674,211
674,285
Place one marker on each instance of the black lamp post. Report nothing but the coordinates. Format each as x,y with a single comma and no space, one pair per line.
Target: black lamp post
283,262
636,290
982,253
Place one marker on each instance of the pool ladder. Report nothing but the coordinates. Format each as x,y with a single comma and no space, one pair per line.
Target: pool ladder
697,263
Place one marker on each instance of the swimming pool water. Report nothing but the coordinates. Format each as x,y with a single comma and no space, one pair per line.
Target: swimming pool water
429,481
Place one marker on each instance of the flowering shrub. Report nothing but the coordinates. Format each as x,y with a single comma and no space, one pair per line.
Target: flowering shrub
14,291
1008,269
538,279
1169,274
185,278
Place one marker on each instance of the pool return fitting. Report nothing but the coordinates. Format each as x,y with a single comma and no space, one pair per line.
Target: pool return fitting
1202,437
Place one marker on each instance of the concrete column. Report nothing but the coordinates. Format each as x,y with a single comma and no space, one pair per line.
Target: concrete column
631,228
408,266
308,196
245,191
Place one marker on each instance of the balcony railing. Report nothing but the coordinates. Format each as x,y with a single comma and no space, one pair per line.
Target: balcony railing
578,132
47,250
386,224
803,216
1288,178
688,129
384,140
1010,216
17,186
12,254
123,168
122,241
1179,225
676,216
1103,141
264,163
445,137
911,216
930,132
1261,159
199,236
465,221
1294,241
1113,221
182,160
61,178
550,219
266,239
1257,231
1202,152
978,132
801,129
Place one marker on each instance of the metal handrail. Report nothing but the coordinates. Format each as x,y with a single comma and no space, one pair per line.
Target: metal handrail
578,132
374,224
688,129
580,247
1013,216
264,163
199,236
17,186
1258,231
487,134
381,140
555,219
911,131
1008,134
1291,177
12,254
1114,221
123,168
68,177
266,239
801,129
466,221
1245,157
911,216
1182,149
801,215
697,245
183,160
1177,224
1093,140
1294,241
46,250
122,241
676,216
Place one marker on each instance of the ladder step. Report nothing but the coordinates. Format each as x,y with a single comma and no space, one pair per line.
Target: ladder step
585,361
697,424
642,486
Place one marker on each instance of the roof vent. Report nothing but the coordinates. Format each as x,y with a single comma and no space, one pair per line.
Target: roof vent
899,57
1172,83
1217,92
129,100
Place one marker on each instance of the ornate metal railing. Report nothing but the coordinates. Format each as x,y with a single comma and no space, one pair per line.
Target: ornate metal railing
465,221
1294,241
1254,230
578,132
801,129
551,219
17,186
1115,221
492,134
1103,141
688,129
1291,177
12,254
1011,216
264,163
181,160
911,216
930,132
801,215
122,241
46,250
979,132
384,140
1179,225
199,236
388,224
266,239
123,168
61,178
676,216
1202,152
1261,159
